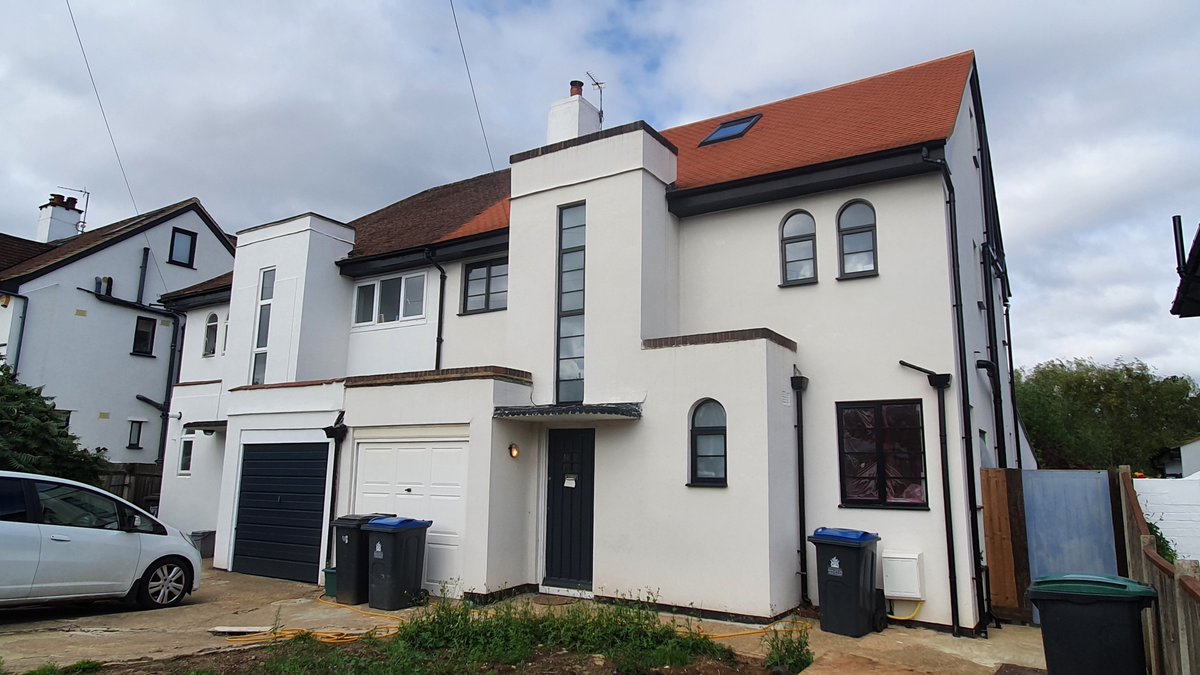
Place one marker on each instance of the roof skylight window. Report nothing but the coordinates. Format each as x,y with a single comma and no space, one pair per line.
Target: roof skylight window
731,130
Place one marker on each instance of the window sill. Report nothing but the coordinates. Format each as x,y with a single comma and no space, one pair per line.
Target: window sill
482,311
190,266
207,356
147,356
706,485
387,325
133,447
799,282
889,507
858,275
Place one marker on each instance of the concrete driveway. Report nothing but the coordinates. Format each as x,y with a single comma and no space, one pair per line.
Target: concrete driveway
110,632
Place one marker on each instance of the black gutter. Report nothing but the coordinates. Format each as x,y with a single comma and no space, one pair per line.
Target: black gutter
437,357
218,296
941,382
965,395
142,274
337,433
799,384
394,261
993,353
21,331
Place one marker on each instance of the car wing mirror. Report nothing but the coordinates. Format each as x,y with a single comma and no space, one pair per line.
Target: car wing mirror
133,522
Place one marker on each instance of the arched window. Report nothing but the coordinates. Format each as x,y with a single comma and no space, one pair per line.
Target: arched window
210,335
708,445
798,249
856,240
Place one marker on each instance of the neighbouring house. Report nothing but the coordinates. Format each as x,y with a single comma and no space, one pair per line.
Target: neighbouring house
1187,295
1180,462
78,316
635,362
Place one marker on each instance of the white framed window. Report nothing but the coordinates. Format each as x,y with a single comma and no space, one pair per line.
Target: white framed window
390,300
185,454
262,326
135,434
210,335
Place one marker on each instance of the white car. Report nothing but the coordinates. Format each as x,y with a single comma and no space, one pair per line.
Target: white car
63,540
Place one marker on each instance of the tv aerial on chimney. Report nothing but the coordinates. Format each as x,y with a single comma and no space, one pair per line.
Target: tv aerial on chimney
598,86
86,197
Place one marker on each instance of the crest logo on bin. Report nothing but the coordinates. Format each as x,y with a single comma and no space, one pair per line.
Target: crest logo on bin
378,550
835,567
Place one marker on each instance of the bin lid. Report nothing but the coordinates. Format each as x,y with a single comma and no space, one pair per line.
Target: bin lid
1098,586
841,536
357,519
395,524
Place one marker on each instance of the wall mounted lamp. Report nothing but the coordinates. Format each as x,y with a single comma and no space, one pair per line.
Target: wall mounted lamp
513,450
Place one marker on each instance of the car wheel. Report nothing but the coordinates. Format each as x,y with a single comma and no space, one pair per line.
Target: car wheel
164,584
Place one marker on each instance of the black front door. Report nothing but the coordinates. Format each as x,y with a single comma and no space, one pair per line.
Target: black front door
569,501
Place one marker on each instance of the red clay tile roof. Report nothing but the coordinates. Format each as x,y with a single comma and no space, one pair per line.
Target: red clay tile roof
14,250
473,206
221,283
66,250
895,110
898,109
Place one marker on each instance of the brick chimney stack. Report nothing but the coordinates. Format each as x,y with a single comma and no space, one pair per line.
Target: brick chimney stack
58,219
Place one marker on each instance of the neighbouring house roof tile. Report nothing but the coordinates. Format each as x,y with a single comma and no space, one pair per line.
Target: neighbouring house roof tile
15,250
899,109
219,283
64,251
470,207
895,110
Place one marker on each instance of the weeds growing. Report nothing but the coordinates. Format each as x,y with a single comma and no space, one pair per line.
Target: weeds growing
788,648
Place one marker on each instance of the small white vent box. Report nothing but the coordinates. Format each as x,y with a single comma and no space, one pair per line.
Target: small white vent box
903,575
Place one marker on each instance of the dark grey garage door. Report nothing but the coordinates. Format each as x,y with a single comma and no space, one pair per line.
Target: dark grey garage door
281,504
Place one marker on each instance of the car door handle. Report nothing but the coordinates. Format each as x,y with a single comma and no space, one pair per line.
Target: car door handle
59,537
408,489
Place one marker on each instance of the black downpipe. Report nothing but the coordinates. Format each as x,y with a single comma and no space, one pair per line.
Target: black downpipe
337,433
993,351
437,357
941,382
964,388
170,389
799,384
142,274
1012,389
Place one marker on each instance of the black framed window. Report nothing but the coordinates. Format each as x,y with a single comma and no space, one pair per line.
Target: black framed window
485,288
143,336
708,461
210,335
183,248
730,130
881,447
798,249
856,241
135,434
572,223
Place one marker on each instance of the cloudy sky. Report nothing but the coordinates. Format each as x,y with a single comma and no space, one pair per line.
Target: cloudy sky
267,109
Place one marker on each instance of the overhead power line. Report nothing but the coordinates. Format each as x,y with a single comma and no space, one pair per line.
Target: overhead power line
101,104
472,83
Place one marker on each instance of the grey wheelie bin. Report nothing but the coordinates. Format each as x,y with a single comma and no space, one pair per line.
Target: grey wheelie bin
396,549
846,580
350,547
1092,623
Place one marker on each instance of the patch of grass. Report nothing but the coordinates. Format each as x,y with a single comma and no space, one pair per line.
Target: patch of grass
85,666
788,648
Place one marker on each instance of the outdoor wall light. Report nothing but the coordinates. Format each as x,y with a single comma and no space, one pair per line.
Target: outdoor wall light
513,450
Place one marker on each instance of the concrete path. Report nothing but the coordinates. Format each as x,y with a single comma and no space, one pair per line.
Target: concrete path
110,632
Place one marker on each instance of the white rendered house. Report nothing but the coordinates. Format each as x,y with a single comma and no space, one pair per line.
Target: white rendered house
635,362
79,316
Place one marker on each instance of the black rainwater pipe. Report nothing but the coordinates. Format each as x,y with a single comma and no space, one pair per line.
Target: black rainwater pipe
965,395
337,433
941,382
142,274
437,356
989,262
799,384
1012,389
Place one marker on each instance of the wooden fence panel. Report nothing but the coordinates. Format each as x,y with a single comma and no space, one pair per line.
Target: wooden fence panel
1005,543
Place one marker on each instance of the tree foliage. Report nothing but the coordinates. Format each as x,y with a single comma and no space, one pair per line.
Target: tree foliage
34,435
1082,415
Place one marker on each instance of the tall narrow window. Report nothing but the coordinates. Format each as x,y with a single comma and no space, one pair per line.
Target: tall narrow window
185,454
183,248
135,434
266,294
882,450
486,286
856,240
572,224
708,445
210,335
798,249
143,336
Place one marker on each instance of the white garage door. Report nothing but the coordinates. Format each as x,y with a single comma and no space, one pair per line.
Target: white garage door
420,479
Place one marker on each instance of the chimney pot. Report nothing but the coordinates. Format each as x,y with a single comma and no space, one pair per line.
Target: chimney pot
71,201
56,199
576,88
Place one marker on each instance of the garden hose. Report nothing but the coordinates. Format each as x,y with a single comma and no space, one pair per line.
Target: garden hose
910,617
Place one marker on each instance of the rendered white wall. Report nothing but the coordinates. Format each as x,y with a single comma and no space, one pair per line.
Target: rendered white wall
1174,505
396,347
471,339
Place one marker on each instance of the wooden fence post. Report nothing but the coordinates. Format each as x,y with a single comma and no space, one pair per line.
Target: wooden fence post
1189,650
